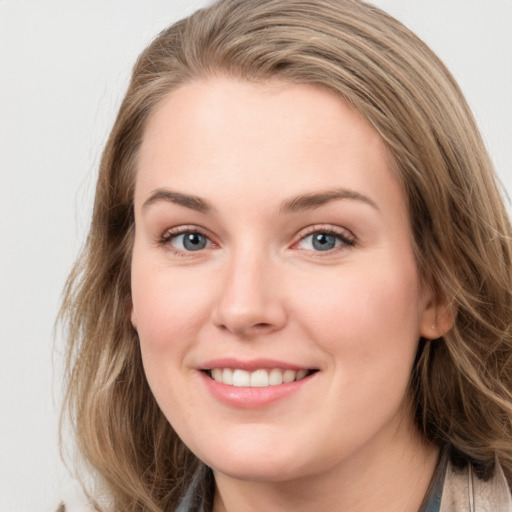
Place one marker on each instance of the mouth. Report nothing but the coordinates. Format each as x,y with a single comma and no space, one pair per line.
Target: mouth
260,378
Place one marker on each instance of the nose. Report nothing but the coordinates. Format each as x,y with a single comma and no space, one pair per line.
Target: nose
250,302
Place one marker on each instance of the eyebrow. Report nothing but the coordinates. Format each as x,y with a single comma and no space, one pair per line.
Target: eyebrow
186,200
308,201
314,200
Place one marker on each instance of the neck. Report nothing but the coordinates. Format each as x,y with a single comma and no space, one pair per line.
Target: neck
393,478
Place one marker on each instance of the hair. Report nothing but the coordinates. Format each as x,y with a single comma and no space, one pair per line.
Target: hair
461,383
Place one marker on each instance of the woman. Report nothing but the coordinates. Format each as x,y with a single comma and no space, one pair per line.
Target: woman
296,290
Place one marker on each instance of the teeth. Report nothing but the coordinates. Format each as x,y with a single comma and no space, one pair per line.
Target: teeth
257,379
301,374
275,377
289,376
217,374
241,378
227,376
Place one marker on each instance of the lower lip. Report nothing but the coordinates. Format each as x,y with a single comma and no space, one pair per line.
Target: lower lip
251,398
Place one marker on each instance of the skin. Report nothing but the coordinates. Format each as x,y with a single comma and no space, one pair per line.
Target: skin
345,440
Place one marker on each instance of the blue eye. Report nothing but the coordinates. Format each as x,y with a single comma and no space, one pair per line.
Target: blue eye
189,241
322,241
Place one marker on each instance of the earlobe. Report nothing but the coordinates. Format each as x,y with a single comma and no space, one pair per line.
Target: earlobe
133,316
437,319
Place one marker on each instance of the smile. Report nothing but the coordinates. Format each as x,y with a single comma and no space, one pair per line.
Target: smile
260,378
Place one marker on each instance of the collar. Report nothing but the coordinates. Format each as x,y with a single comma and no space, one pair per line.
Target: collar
453,490
463,491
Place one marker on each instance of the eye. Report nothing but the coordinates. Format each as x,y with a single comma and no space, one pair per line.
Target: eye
187,241
323,241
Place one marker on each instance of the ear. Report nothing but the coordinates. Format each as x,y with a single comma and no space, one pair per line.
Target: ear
437,317
133,316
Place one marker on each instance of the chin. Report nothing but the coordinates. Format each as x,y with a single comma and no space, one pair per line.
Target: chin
259,460
259,469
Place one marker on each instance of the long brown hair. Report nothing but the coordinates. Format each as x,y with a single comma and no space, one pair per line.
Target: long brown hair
461,233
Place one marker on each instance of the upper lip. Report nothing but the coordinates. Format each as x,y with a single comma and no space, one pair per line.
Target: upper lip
252,364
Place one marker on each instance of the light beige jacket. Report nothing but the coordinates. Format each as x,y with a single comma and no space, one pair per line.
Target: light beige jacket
463,491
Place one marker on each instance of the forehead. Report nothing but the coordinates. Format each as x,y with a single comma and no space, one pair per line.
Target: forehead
219,134
302,109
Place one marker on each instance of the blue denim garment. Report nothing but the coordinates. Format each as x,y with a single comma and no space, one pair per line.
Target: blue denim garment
433,501
196,499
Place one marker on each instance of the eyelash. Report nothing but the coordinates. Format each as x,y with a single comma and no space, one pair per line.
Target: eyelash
346,238
166,239
346,241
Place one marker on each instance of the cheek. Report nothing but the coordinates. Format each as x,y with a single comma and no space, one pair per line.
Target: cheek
168,311
368,325
167,306
368,317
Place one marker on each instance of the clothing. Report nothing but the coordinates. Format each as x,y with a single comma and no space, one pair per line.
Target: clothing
460,490
454,490
196,499
463,491
432,501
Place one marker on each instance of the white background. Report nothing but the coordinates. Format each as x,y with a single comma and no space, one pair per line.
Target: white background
64,65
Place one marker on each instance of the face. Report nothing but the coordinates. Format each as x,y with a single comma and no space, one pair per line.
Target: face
275,290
